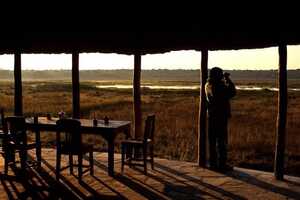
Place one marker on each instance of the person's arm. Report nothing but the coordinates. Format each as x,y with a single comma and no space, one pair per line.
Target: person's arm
231,90
208,92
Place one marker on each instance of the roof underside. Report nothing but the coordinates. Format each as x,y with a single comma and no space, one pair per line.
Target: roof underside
145,42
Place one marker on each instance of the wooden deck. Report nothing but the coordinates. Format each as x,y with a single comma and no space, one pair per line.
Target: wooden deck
169,180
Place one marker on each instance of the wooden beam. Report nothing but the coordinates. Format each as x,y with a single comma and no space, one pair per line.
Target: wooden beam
18,85
137,95
202,111
282,113
75,85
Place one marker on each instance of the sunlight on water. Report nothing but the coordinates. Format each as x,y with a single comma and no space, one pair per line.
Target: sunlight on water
115,86
254,88
157,87
193,87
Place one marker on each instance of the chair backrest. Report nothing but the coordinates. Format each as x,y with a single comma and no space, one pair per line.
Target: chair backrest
72,135
149,128
15,128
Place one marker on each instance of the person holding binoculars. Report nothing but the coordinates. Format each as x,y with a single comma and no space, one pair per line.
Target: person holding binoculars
219,90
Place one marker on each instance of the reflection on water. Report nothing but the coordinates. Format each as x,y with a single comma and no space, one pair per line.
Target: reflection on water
256,88
191,87
157,87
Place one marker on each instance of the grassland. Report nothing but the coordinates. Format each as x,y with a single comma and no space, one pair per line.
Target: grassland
252,126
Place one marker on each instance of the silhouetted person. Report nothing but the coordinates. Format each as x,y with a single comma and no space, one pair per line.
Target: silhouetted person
219,90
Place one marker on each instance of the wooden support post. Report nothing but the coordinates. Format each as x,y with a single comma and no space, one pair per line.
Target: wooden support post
75,85
137,95
18,85
282,113
202,111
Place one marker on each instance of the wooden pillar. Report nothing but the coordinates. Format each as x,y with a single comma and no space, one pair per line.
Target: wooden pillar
18,85
282,113
75,85
202,111
137,95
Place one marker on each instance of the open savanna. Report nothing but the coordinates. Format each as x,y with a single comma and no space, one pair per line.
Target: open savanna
252,132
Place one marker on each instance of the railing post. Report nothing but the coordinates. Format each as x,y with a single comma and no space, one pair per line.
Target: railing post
202,111
75,85
282,113
18,85
137,95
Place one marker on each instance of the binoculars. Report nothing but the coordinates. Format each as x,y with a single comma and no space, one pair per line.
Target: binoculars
226,74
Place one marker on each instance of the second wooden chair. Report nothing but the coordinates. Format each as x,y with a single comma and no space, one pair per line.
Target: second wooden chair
135,150
71,144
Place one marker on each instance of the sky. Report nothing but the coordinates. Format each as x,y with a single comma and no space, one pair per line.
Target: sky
256,59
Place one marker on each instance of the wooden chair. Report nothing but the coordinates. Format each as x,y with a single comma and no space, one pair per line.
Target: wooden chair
15,141
71,145
134,151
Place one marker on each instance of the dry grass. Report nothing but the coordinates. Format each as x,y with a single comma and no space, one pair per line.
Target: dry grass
252,126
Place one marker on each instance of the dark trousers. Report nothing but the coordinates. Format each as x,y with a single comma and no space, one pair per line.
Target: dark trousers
218,139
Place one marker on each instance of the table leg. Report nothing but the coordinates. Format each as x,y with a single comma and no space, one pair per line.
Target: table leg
111,148
38,148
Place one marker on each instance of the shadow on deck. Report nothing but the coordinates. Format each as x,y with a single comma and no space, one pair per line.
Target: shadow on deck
169,180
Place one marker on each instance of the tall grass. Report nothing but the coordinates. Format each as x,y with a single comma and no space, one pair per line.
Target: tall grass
252,130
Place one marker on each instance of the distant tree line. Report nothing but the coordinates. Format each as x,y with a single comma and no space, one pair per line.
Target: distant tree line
160,74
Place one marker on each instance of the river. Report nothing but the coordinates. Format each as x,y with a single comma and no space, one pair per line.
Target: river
191,87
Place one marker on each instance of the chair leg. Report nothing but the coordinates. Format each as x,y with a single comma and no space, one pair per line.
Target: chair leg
152,156
123,149
13,158
129,154
145,160
80,167
71,163
23,158
39,155
58,157
91,159
6,166
8,157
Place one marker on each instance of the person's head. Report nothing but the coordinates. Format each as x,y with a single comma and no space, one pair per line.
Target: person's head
216,74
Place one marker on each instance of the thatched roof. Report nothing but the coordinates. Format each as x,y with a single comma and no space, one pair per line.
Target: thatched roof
147,42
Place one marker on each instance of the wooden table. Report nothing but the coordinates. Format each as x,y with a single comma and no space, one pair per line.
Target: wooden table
108,132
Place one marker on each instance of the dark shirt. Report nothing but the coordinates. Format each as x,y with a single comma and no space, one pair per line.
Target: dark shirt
218,94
